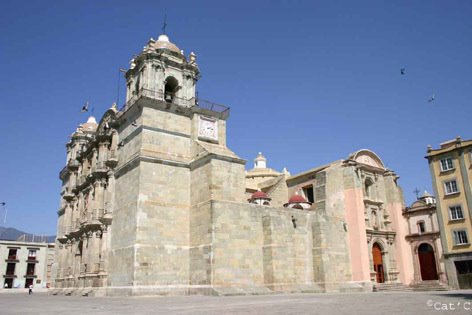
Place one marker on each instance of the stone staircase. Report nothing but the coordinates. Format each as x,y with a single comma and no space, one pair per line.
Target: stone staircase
394,286
433,285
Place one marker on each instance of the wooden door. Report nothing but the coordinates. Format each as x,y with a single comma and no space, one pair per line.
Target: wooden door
427,262
378,263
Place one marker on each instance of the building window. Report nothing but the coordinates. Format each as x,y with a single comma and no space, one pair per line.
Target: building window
10,269
308,191
368,187
32,254
421,227
30,270
446,164
460,237
456,213
12,253
450,187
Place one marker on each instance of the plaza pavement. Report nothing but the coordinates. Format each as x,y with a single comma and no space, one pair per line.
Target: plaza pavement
451,302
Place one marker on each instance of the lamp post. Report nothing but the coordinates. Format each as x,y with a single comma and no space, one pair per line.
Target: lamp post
4,204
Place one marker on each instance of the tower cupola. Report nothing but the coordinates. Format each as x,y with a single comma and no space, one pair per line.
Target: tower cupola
162,72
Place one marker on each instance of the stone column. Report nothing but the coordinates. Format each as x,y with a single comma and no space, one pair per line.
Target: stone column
392,271
104,250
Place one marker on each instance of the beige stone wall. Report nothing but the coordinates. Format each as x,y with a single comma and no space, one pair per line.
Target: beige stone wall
123,229
162,232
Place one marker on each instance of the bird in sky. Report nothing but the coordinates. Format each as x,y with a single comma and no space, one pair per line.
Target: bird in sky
402,71
85,107
432,98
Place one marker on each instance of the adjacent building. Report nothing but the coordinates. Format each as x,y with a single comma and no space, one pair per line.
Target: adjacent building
424,238
451,173
26,263
154,202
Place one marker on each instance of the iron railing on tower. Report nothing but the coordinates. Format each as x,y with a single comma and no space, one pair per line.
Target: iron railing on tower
192,102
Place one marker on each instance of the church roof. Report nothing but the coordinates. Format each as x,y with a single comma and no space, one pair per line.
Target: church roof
90,126
163,42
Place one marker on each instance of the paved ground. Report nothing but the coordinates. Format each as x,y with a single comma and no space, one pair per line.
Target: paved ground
452,302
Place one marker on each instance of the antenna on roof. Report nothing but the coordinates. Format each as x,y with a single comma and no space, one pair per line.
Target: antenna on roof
164,25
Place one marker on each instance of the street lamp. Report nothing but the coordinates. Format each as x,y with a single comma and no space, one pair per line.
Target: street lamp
3,204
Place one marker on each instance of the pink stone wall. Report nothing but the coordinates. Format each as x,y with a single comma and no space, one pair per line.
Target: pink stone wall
354,206
403,249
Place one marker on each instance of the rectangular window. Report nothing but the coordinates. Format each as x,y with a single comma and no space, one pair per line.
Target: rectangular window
421,228
308,191
12,253
30,270
32,254
10,269
456,213
450,187
460,237
446,164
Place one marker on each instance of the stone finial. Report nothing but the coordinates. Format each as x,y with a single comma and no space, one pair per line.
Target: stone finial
114,107
429,148
285,171
192,57
132,64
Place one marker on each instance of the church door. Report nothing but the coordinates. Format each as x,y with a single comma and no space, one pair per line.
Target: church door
427,262
378,262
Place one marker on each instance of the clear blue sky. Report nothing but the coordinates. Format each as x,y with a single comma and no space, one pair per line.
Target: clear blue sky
308,82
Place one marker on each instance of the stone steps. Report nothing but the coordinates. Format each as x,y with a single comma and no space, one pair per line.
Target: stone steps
430,286
379,287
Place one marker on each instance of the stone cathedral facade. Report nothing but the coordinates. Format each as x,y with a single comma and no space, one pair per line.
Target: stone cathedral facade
154,202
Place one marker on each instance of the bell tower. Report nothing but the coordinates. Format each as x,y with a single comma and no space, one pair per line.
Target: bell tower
173,163
161,71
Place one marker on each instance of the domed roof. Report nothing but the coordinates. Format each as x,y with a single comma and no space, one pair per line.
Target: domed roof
90,125
426,194
296,199
163,42
259,195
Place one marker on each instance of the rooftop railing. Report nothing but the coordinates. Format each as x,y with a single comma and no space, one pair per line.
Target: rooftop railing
169,98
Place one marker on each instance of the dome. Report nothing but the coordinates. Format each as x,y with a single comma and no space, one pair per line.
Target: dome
163,42
90,125
296,199
426,194
259,195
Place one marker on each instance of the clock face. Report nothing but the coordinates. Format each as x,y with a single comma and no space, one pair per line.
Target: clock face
208,128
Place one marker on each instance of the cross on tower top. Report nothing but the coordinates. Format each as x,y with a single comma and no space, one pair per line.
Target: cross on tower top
164,25
417,192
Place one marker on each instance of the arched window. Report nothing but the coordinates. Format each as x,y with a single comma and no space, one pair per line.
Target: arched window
171,87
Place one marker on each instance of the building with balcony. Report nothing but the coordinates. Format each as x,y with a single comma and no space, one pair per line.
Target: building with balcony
26,263
451,172
154,202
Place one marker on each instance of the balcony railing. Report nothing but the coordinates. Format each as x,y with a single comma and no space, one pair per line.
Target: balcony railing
157,95
12,257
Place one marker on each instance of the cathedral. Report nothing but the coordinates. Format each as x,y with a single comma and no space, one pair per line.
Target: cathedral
154,202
